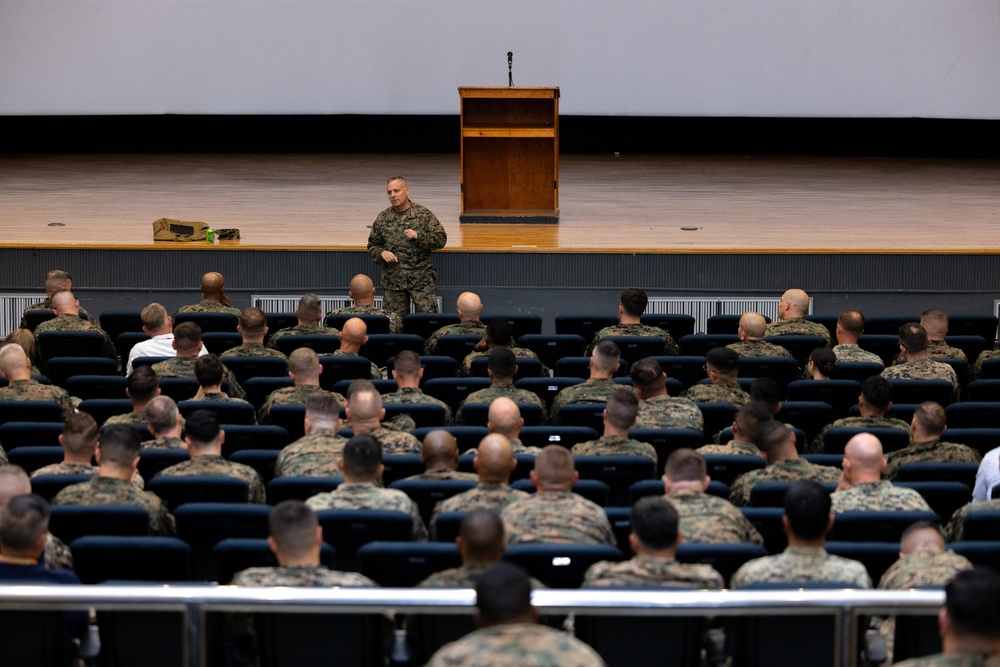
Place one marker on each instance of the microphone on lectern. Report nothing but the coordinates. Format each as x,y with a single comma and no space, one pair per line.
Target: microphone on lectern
510,69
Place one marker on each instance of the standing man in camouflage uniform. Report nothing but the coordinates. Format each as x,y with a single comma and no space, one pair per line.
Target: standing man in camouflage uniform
926,430
807,520
722,366
924,560
752,329
316,454
166,424
67,310
141,387
498,333
213,297
874,401
554,513
187,342
918,365
439,454
604,362
204,443
309,313
935,323
362,293
352,337
631,306
850,326
361,465
509,633
16,368
654,539
792,309
112,486
744,443
619,417
253,327
365,413
304,369
401,240
501,367
15,482
160,328
777,444
861,486
704,518
470,308
407,372
494,463
55,281
657,409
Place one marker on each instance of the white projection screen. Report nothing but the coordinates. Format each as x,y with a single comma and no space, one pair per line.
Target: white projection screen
781,58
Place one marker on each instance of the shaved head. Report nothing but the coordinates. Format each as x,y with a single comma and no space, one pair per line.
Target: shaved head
64,302
13,482
504,417
440,450
13,359
554,469
753,325
354,332
936,324
213,287
362,289
494,459
469,306
863,458
797,302
365,403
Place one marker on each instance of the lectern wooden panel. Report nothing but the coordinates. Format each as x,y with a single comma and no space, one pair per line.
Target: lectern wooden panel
510,155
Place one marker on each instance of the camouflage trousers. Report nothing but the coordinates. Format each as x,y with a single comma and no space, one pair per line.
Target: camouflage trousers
398,301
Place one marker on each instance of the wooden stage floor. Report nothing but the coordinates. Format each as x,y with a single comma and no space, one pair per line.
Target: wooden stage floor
608,204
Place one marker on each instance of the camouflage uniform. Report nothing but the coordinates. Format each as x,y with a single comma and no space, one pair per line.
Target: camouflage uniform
219,397
733,447
413,276
723,392
465,368
64,468
953,659
297,395
801,564
953,531
47,305
592,390
522,644
923,569
29,390
797,326
464,576
758,349
416,396
128,418
492,497
211,464
851,352
56,555
183,367
560,517
933,451
165,442
662,412
301,330
111,491
206,306
469,328
977,366
367,496
645,571
614,445
936,349
69,322
252,350
880,496
707,519
443,474
312,455
858,422
376,372
923,369
395,321
498,389
301,575
646,331
791,470
395,442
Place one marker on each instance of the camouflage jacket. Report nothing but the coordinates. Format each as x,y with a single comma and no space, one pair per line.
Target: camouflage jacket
498,389
561,517
977,366
669,346
367,496
851,352
301,330
879,496
47,305
758,349
210,464
111,491
802,564
463,576
297,395
923,569
183,367
443,474
522,644
301,575
252,350
416,396
128,418
664,412
936,349
30,390
643,571
723,392
395,321
592,390
733,447
933,451
791,470
56,555
614,445
858,422
469,328
312,455
217,396
465,368
414,268
206,306
74,323
395,442
376,372
64,468
484,497
923,369
797,326
954,530
165,442
706,519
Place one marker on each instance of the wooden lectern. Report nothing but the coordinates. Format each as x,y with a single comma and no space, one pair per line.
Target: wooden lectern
510,155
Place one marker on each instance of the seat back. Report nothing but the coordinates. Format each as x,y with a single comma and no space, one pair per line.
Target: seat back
14,434
678,324
973,415
381,347
918,391
228,412
319,343
291,418
424,324
862,526
667,441
32,458
456,346
892,439
52,344
520,325
245,368
552,348
566,436
103,408
454,390
634,348
209,322
560,565
810,416
767,521
60,369
117,322
95,386
217,342
69,522
583,325
717,416
981,526
253,436
618,472
348,530
547,388
97,559
375,324
259,388
31,411
406,564
278,321
427,494
280,489
840,395
725,558
772,494
698,345
527,367
927,471
47,486
782,370
33,318
400,466
343,367
203,525
859,371
590,415
422,414
152,461
800,347
176,490
178,388
727,467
